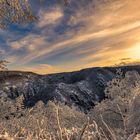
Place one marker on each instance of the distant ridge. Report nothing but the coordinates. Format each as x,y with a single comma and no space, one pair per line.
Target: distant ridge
80,88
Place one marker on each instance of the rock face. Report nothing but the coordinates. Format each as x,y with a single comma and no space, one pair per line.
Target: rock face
82,88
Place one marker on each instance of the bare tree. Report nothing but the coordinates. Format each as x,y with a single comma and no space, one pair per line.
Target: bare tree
3,65
15,11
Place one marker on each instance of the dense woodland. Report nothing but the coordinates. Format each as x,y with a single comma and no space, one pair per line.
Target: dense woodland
114,118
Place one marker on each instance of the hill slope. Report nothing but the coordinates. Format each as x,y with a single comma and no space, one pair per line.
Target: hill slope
81,88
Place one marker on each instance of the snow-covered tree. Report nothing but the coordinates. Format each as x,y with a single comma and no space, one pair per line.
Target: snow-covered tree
3,65
121,108
17,11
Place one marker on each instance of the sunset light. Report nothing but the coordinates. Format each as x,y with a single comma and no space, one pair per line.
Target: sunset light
135,51
69,69
84,34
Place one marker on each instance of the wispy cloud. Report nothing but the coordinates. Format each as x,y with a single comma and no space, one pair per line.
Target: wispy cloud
40,69
30,42
88,33
128,62
50,17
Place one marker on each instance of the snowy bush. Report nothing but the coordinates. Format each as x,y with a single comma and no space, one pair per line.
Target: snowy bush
121,108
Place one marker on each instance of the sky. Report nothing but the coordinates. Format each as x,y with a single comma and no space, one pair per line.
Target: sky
86,33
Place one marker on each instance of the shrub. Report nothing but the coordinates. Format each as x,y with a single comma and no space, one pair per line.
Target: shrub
121,108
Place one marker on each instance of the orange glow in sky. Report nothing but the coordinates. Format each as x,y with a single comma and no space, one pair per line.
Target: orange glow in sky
100,33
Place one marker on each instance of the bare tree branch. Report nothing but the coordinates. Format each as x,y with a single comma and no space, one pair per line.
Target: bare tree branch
17,12
3,65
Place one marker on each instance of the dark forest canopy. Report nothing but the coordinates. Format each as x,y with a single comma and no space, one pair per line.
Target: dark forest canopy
17,11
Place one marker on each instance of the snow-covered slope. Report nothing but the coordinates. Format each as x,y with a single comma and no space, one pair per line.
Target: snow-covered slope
81,88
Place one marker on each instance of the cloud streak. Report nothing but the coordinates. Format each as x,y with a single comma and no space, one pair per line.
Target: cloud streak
50,17
86,34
